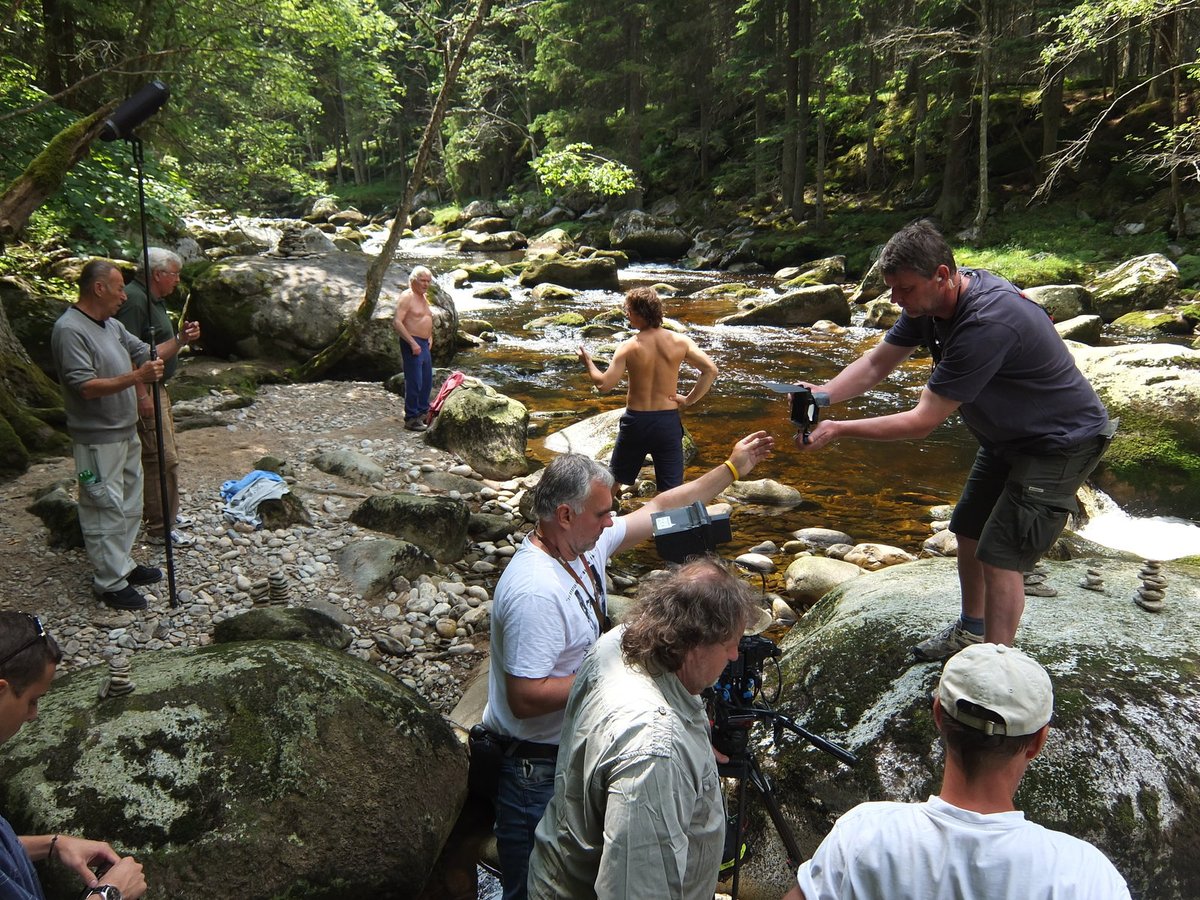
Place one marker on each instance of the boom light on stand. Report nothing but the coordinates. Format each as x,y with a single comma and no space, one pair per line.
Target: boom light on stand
121,126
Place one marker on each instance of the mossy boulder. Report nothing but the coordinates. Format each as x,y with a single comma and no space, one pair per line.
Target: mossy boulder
31,316
1145,282
640,233
1153,322
255,769
57,507
586,274
804,306
274,623
438,525
1061,301
1121,768
484,427
830,270
1153,464
486,270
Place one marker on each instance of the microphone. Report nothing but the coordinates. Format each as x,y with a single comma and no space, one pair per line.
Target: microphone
134,111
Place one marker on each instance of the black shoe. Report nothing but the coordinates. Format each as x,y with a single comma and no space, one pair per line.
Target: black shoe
414,425
126,598
144,575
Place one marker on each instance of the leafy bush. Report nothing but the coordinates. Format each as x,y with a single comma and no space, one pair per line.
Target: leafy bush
577,168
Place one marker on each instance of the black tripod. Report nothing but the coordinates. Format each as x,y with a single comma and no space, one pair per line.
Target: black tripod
735,722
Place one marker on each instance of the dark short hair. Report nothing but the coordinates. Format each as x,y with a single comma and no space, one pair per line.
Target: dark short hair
976,751
30,653
644,301
94,271
917,247
697,604
567,479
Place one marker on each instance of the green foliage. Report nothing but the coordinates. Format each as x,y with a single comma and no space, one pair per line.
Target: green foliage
577,168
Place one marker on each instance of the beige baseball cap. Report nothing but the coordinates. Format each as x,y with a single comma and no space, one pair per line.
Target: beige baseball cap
999,679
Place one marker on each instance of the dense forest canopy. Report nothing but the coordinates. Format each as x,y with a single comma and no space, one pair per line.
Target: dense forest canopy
790,104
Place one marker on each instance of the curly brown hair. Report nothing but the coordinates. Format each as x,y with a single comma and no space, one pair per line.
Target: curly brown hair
644,301
697,604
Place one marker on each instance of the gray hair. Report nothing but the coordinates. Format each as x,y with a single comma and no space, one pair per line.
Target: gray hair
161,258
94,271
568,479
418,270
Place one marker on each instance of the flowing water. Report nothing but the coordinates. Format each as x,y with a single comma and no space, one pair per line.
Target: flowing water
872,491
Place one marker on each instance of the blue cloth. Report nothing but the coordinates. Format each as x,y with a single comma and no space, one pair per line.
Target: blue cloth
18,880
231,489
418,379
658,432
526,786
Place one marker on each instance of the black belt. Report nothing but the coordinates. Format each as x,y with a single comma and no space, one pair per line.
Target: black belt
532,750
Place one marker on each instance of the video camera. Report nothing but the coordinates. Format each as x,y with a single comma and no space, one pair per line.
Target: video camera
688,531
806,404
734,693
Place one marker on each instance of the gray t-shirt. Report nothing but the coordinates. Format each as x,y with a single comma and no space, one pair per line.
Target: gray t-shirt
1001,358
83,350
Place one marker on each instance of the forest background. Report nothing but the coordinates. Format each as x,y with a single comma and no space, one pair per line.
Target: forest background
829,122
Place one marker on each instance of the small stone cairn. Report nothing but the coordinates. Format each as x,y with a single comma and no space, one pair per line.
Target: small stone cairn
1092,581
260,593
1035,583
1149,596
118,682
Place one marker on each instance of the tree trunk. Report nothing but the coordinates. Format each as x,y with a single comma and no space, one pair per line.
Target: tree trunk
872,116
819,185
985,104
44,176
953,200
322,361
791,73
804,109
1051,103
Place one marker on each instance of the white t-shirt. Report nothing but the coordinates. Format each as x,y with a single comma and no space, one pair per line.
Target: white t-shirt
542,625
936,851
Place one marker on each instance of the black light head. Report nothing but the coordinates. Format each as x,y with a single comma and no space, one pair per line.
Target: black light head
134,111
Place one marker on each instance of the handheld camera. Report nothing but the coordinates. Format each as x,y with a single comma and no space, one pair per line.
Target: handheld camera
806,405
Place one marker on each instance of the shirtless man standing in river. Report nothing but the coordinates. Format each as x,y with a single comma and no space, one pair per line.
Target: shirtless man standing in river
414,323
651,422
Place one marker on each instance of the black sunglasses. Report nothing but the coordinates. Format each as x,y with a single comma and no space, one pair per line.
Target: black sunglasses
40,636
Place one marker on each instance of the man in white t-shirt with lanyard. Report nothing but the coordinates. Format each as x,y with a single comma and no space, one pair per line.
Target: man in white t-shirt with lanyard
549,608
992,708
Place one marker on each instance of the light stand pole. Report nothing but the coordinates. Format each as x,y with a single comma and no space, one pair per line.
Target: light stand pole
128,116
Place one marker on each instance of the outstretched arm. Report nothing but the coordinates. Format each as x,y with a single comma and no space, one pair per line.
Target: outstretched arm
930,412
865,372
746,454
609,379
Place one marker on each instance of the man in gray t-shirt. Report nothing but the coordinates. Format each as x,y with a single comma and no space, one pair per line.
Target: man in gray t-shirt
98,364
999,362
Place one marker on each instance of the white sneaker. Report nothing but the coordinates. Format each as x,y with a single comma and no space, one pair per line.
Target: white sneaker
183,521
177,539
946,642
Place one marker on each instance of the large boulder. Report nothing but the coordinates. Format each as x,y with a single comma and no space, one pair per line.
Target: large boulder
636,231
1145,282
597,273
438,525
1121,768
1153,464
830,270
1061,301
596,436
291,309
804,306
31,317
254,769
57,507
809,578
491,242
373,565
484,427
1084,329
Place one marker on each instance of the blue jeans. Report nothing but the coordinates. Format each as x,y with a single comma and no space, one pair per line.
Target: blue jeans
526,786
418,379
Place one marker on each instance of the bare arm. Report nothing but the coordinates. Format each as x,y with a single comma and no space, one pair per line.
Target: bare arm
794,894
930,412
866,371
149,371
746,454
529,697
609,379
708,374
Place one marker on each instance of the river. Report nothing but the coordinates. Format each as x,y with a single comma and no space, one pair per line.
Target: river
873,491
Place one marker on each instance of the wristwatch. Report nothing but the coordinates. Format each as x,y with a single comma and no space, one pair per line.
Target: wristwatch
105,891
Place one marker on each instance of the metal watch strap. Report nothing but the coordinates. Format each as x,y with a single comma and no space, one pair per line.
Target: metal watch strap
106,891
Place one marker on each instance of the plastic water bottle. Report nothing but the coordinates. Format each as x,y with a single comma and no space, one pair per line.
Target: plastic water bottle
87,476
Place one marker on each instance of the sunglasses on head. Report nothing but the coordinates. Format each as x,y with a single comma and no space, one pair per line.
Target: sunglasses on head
39,636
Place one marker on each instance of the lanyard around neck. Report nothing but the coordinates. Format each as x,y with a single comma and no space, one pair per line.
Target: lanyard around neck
593,600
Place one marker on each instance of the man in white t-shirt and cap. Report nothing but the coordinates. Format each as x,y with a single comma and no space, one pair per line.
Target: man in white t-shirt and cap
992,708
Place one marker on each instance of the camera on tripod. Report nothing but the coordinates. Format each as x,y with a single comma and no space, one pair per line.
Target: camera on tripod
733,695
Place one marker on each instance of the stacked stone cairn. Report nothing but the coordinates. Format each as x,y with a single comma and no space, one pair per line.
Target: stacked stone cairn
118,682
1092,581
1149,596
278,588
1035,583
260,593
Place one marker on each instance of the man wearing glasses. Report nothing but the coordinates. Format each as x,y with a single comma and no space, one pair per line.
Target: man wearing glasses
28,657
140,315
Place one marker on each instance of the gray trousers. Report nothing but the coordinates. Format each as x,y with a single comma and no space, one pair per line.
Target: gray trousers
110,510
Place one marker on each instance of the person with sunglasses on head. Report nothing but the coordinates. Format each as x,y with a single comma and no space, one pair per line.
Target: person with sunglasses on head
28,659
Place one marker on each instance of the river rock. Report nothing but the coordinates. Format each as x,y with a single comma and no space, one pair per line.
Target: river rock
809,578
484,427
882,313
800,307
638,232
871,556
373,565
596,436
279,624
1150,468
1121,768
1084,329
941,543
243,769
548,292
438,525
58,509
871,286
1061,301
766,492
820,538
830,270
1153,322
291,309
1145,282
486,270
554,242
485,242
350,465
585,274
